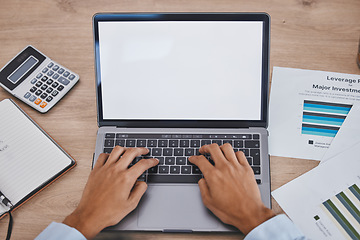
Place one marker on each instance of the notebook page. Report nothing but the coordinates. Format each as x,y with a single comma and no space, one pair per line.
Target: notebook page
3,209
28,158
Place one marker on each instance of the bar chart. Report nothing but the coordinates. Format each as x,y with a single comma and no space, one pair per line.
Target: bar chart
323,118
344,211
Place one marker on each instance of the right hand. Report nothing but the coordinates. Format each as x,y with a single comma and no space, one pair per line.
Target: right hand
229,188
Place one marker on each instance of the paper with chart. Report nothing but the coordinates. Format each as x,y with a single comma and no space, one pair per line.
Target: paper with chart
307,109
325,202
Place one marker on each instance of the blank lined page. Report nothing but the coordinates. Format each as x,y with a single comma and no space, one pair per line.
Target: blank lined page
28,158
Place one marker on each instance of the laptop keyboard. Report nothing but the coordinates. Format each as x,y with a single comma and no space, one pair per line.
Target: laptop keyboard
174,150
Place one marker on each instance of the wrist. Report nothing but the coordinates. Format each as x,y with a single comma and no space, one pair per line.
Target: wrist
83,224
255,220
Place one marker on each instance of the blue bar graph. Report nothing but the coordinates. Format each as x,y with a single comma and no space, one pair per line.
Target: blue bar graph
323,118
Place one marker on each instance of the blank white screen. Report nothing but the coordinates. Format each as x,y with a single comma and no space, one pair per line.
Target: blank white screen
181,70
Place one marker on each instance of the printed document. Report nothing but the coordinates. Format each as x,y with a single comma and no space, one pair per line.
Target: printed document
325,202
348,135
307,109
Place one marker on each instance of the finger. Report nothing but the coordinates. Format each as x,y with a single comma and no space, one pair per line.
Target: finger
141,166
204,164
205,192
242,159
129,156
137,192
215,152
115,154
101,160
229,153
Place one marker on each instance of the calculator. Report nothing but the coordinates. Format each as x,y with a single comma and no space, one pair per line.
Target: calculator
37,80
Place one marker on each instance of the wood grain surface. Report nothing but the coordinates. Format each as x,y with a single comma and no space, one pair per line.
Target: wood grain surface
309,34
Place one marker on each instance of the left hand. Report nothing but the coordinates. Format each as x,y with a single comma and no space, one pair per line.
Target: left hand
112,191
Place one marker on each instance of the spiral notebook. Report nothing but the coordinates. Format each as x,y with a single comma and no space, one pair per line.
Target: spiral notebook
29,158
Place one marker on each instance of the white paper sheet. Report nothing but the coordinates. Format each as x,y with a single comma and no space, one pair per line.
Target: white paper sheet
307,198
348,135
307,109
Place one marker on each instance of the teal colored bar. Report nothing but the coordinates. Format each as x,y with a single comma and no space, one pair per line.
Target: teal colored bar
340,120
319,130
328,122
327,110
311,105
318,133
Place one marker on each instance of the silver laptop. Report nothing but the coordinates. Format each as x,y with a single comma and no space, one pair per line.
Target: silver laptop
173,82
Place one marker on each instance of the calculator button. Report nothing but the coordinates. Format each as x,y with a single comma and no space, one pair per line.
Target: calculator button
55,84
71,77
50,81
45,70
44,87
39,75
32,98
38,92
63,81
66,74
44,95
56,76
43,104
54,93
37,101
33,89
49,90
55,68
27,95
61,70
50,73
38,84
44,78
33,81
49,98
61,87
50,65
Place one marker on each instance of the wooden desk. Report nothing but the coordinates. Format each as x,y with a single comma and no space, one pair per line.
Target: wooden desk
309,34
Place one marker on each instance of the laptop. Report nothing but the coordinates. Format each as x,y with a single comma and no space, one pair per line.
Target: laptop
172,82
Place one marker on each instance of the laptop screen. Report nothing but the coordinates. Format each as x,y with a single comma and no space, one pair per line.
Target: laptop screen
181,70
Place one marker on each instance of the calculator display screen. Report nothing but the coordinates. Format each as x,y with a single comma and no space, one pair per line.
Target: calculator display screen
23,69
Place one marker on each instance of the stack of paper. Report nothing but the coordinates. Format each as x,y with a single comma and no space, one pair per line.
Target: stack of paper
316,115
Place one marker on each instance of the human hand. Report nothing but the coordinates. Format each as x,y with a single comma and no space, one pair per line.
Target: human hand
229,188
111,192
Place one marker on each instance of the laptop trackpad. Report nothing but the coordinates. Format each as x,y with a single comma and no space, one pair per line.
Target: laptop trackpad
171,207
